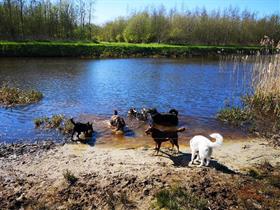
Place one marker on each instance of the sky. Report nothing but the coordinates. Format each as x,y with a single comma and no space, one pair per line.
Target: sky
106,10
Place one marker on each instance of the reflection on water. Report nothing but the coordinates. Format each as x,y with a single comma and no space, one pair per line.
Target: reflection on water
197,87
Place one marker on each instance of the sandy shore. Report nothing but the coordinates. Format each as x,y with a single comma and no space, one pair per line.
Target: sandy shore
34,179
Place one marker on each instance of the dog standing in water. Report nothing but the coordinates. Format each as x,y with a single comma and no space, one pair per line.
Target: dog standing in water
117,122
203,148
85,128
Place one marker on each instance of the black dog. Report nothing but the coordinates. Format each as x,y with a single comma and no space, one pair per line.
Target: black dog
117,122
167,119
162,136
82,127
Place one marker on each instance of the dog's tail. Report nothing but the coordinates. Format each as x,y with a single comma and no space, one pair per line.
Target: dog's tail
181,129
72,121
219,140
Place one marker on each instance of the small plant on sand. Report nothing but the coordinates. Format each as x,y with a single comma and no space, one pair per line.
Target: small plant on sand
70,177
12,96
254,173
178,198
115,200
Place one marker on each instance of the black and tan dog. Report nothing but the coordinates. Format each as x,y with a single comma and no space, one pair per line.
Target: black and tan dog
117,122
85,128
162,136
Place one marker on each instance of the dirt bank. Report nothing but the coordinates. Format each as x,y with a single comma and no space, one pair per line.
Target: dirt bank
128,178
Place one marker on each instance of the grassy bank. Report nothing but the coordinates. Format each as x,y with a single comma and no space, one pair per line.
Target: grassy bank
84,49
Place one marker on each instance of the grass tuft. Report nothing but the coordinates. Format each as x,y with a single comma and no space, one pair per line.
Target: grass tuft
59,122
70,177
115,200
234,116
178,198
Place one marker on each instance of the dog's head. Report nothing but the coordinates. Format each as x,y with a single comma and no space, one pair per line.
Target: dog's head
149,130
132,111
152,111
173,111
89,128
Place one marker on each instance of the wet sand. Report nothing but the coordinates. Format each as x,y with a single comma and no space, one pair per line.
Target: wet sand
135,136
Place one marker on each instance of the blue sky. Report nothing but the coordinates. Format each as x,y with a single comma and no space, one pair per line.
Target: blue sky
106,10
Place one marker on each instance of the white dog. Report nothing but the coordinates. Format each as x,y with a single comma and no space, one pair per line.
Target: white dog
202,147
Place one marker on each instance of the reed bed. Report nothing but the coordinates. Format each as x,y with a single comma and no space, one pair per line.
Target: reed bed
260,110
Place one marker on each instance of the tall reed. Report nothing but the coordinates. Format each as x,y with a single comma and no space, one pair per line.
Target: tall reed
261,101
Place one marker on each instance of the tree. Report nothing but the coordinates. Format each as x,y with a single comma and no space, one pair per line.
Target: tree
138,28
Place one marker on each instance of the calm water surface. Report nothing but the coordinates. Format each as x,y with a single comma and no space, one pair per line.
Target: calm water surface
91,89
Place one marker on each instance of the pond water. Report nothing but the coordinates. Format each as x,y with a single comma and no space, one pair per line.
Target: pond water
90,89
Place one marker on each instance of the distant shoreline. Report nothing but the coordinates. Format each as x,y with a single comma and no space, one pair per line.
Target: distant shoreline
115,50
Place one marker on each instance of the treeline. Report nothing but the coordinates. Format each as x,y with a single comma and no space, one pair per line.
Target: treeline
228,27
46,20
72,20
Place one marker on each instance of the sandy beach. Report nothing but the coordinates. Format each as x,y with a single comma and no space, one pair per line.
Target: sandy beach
33,180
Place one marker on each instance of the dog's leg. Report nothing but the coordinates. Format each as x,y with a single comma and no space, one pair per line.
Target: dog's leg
207,161
79,133
172,143
177,145
159,144
201,163
192,158
155,146
197,159
72,135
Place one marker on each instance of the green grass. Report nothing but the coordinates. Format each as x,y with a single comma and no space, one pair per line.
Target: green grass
105,49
